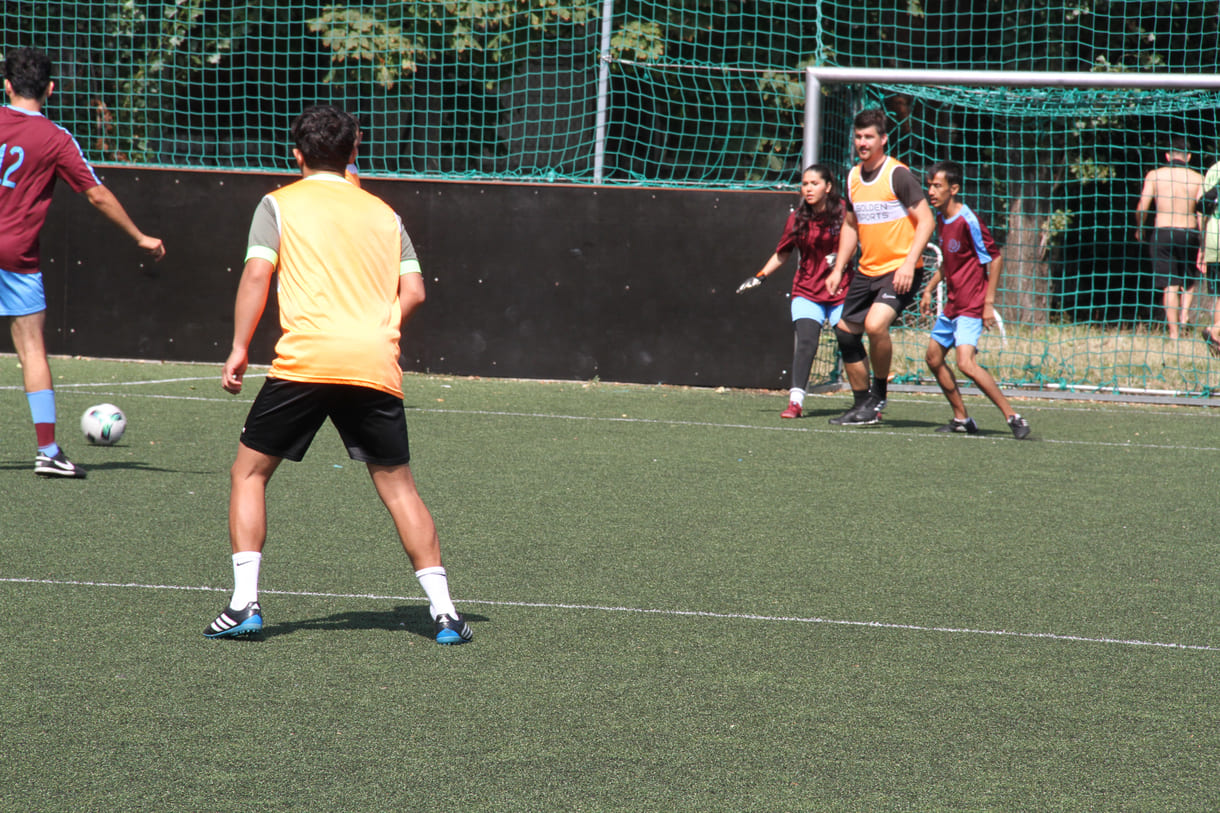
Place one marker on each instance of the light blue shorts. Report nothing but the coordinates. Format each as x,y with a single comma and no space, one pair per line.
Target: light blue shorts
808,309
21,294
960,331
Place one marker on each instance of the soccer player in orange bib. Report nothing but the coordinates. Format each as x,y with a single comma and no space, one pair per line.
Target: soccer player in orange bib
891,223
348,279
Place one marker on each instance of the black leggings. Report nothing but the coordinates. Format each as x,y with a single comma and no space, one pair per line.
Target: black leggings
808,333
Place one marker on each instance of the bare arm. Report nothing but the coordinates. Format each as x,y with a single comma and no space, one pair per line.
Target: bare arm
925,299
251,300
106,203
993,284
925,224
1145,203
849,238
772,265
410,294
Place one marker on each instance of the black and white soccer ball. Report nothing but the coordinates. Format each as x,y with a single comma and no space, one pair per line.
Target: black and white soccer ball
103,424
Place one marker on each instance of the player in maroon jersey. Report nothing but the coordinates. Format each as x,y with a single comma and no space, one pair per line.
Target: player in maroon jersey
971,272
33,153
813,230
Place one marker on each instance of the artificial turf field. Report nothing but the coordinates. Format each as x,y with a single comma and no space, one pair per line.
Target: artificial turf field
680,603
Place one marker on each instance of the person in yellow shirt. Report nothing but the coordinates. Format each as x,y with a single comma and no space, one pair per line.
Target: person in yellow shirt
890,221
348,280
1208,262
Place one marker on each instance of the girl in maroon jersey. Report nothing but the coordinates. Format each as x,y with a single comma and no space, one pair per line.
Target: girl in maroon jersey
813,231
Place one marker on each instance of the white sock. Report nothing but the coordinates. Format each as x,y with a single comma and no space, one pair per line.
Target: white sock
435,582
796,396
245,578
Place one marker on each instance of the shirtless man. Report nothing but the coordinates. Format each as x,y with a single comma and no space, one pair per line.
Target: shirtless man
1174,246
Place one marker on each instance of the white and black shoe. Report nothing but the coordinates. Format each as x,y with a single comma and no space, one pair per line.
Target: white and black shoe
867,414
965,426
233,623
452,630
839,420
57,466
1019,427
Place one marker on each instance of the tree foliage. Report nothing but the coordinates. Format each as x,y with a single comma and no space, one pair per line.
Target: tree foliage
702,91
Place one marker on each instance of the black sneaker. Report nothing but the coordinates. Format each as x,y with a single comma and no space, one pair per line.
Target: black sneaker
866,414
842,420
57,466
452,630
232,623
1019,427
964,425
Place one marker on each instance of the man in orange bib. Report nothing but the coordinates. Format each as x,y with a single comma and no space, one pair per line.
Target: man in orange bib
347,280
891,222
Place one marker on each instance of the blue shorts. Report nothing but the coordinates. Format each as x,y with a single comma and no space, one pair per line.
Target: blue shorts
808,309
21,294
960,331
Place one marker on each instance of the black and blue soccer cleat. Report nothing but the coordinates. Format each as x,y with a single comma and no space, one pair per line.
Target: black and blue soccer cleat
451,630
233,623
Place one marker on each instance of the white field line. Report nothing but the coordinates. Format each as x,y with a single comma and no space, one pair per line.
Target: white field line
1051,636
930,400
646,421
866,431
97,388
63,386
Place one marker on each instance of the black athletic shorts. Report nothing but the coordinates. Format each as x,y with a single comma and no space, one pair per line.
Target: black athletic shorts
287,414
1173,254
864,291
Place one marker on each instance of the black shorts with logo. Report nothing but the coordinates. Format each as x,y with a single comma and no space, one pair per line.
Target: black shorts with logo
865,291
286,415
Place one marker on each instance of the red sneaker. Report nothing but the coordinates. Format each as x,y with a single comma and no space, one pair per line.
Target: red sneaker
793,411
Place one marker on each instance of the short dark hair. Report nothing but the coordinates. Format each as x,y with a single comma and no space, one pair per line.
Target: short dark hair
28,70
954,172
872,117
1179,144
326,137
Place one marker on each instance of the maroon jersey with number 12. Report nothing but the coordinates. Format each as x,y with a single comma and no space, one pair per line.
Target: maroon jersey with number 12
34,151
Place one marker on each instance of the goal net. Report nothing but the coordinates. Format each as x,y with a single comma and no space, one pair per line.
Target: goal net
697,94
1057,172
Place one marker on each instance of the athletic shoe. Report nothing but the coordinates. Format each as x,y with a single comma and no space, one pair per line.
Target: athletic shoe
866,414
1019,427
451,630
57,466
964,425
232,623
846,418
793,411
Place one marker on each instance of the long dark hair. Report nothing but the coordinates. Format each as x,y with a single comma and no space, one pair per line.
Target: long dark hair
828,209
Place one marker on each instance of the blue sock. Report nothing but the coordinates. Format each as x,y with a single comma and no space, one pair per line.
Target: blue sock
42,411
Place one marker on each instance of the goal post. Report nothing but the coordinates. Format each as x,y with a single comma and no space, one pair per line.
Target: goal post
1054,165
817,76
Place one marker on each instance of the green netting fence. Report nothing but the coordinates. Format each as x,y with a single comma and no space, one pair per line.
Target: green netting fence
699,94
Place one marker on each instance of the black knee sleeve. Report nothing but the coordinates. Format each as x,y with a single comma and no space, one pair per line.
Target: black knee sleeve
851,345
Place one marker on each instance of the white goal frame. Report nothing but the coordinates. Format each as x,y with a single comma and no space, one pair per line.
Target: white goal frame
816,77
